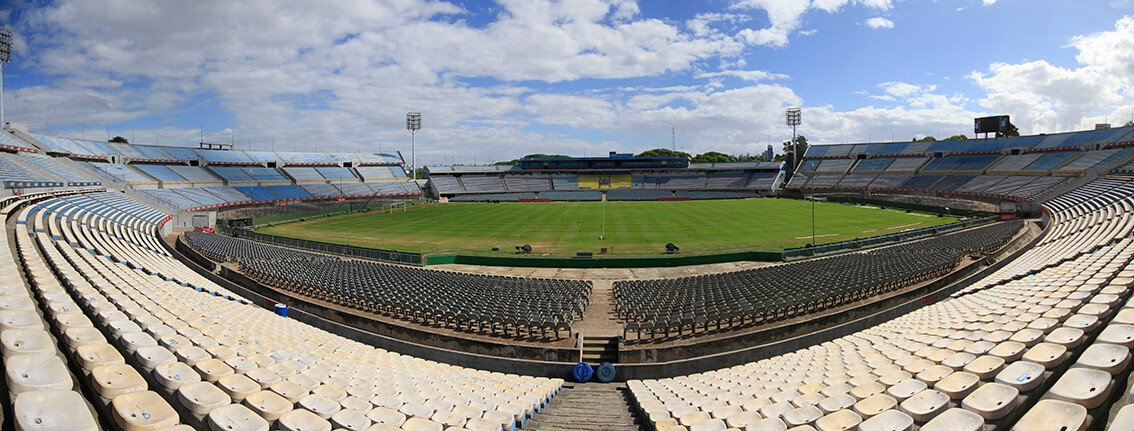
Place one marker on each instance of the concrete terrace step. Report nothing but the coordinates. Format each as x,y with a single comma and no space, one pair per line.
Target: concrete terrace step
588,406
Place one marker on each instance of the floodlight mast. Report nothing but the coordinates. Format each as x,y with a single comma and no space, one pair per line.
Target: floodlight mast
794,118
413,124
5,57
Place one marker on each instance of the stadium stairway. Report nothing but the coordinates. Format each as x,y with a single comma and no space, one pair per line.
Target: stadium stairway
588,406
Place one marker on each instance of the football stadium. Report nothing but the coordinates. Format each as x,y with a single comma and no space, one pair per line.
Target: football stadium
970,283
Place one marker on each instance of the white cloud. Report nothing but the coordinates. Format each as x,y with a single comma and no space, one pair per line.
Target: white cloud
879,22
1042,97
747,75
989,2
786,16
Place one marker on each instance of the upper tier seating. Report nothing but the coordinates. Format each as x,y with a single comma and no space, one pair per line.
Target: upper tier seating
193,173
218,156
10,170
336,173
161,173
379,172
232,174
303,173
55,167
118,173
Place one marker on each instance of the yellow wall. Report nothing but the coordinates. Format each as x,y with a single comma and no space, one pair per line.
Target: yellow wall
604,181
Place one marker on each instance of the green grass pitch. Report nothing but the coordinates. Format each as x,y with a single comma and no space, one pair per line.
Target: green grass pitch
630,226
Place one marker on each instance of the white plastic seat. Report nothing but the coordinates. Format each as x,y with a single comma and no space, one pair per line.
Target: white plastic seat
958,385
1086,387
742,419
992,401
26,341
767,424
387,415
262,376
420,424
235,417
841,420
90,356
52,410
1047,354
955,419
906,389
803,416
1022,375
202,397
137,411
269,405
353,420
1110,358
925,405
709,425
289,390
152,356
303,420
1055,415
238,386
889,420
27,373
174,374
322,406
1122,335
117,379
213,369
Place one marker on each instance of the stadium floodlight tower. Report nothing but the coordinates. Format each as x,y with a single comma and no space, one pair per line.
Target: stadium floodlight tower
794,118
413,124
5,57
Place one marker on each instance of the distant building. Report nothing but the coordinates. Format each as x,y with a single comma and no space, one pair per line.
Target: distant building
769,153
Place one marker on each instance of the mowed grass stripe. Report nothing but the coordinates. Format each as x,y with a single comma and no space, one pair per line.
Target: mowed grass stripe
630,226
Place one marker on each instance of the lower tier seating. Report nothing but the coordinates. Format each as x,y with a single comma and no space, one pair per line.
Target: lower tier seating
154,345
1042,343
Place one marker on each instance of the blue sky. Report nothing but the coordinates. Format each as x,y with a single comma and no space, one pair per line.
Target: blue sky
496,80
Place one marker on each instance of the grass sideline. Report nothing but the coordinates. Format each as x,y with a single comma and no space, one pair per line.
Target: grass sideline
631,227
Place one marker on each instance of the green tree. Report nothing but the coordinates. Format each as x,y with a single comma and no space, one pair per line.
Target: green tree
746,157
664,152
533,156
119,139
957,138
926,139
800,148
1012,131
713,157
1129,123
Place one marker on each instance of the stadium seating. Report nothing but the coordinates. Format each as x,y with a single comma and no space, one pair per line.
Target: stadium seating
156,346
999,354
669,307
528,307
303,173
161,173
193,173
10,170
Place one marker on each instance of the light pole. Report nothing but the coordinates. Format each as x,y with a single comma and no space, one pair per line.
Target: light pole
413,124
794,118
5,57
